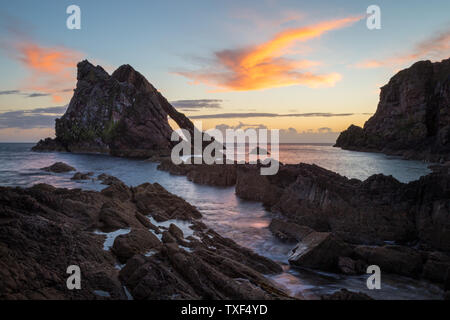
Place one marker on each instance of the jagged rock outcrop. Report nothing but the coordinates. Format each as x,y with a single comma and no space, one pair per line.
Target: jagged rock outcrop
59,167
346,295
310,201
412,118
120,114
319,250
372,211
223,175
43,230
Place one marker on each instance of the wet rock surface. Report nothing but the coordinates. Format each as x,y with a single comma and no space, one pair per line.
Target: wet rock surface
44,229
59,167
310,201
319,250
345,294
82,176
223,175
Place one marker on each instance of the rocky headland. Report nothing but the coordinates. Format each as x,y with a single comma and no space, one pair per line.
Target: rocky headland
120,114
413,116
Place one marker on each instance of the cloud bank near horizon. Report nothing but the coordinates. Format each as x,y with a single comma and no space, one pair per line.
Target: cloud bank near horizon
31,119
290,135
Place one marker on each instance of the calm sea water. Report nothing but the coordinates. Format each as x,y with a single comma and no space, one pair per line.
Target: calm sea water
245,222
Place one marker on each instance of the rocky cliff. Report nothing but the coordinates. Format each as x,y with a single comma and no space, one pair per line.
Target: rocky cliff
120,114
412,118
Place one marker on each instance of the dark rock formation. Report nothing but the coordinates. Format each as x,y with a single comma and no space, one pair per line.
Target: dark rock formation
137,241
319,250
393,259
437,268
223,175
82,176
289,232
121,114
412,118
59,167
43,230
108,179
347,265
376,211
345,294
372,211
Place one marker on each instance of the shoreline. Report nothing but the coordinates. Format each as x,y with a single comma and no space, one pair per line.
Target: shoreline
131,159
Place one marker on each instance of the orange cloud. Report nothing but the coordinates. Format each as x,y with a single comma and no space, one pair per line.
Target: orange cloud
263,66
436,47
52,69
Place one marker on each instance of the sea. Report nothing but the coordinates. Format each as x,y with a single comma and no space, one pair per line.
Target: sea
246,222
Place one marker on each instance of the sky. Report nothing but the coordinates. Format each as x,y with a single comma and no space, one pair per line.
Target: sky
308,68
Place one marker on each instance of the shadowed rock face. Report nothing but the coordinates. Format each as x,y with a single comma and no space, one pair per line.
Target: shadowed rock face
412,118
334,218
121,114
372,211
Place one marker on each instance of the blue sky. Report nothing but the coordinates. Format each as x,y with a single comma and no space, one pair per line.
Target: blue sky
174,43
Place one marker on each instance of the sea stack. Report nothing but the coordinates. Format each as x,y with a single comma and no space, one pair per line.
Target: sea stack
120,114
413,116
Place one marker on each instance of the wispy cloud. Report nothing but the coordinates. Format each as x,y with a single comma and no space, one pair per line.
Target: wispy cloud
9,92
52,69
36,95
268,115
264,66
28,119
436,47
193,105
28,95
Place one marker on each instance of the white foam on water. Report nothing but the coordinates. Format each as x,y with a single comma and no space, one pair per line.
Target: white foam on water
186,248
182,224
119,266
102,293
150,253
127,293
111,236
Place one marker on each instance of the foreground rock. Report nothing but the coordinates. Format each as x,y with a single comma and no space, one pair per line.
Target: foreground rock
213,175
43,230
319,250
59,167
120,114
289,232
82,176
412,118
345,294
393,259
